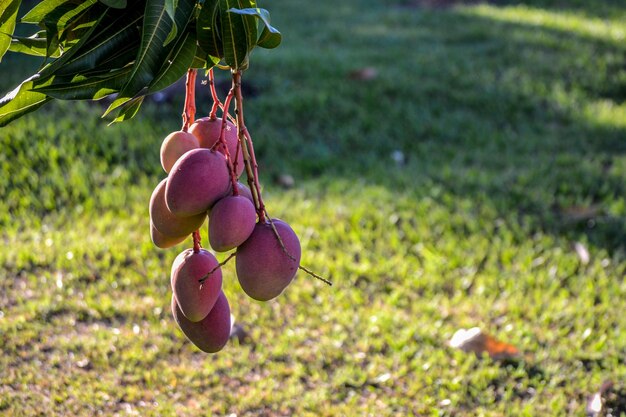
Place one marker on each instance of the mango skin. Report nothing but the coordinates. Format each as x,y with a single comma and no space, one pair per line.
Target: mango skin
211,334
197,181
162,241
166,222
245,191
195,300
208,131
264,270
175,145
231,222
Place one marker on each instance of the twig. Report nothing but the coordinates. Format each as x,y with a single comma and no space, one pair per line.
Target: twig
221,264
282,245
314,275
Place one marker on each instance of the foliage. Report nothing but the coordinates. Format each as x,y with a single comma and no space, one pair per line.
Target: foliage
130,49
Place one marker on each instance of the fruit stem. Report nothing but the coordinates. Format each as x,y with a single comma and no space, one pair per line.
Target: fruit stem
232,166
216,101
314,275
189,112
282,245
221,264
196,241
252,168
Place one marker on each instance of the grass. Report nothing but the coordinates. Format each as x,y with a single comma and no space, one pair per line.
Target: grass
512,122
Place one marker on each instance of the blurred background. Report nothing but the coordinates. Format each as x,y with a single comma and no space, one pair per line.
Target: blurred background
447,164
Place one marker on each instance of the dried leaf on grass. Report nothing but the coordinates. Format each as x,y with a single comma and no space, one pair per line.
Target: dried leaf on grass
476,341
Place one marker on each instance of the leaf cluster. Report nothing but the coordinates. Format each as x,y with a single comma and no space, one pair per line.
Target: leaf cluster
128,48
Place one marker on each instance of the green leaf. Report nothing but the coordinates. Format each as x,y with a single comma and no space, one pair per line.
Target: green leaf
152,52
78,25
65,57
198,63
21,101
57,16
41,10
235,35
8,16
171,36
121,58
63,15
108,38
177,63
156,27
61,18
116,4
250,22
203,60
119,101
208,29
87,88
33,45
270,36
170,8
128,110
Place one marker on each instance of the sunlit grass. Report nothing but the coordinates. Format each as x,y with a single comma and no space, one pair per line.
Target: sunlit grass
509,123
574,23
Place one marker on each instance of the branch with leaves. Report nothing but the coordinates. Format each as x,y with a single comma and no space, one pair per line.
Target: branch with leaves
93,49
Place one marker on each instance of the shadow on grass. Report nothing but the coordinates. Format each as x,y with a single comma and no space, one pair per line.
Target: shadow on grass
518,115
482,104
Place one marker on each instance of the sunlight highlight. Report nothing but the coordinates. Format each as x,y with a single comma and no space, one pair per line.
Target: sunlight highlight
601,29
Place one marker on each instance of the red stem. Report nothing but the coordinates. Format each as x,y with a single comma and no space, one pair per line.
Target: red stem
216,101
197,245
255,167
252,169
189,112
237,152
232,166
222,143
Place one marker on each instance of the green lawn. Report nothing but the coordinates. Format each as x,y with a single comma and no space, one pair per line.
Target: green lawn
512,122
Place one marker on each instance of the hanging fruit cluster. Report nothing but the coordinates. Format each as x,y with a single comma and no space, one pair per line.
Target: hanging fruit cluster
94,49
205,161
